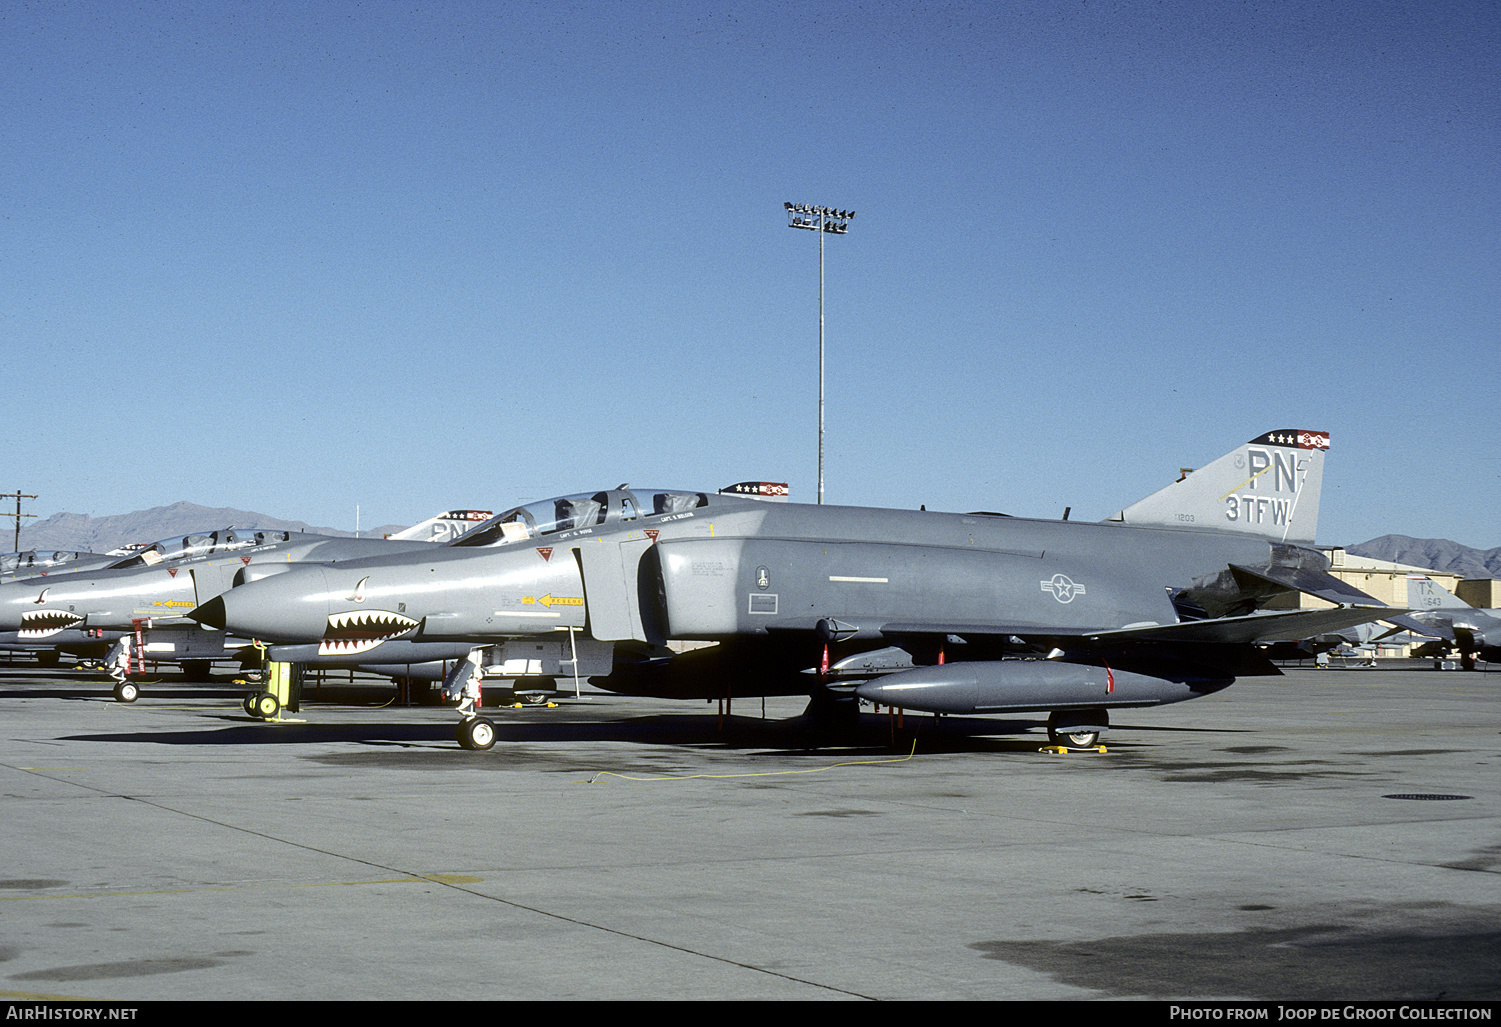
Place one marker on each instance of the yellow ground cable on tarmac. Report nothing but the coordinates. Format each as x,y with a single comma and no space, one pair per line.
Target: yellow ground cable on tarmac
763,773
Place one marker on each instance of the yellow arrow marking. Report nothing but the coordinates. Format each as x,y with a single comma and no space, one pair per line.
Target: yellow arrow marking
552,600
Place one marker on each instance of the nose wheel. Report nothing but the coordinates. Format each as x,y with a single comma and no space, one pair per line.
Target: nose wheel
476,733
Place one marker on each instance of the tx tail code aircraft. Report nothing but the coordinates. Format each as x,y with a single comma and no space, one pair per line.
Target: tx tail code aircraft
1454,623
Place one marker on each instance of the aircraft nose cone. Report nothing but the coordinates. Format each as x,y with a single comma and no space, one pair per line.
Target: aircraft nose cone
288,607
210,614
17,598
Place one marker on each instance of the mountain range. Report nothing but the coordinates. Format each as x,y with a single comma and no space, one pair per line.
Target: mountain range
69,531
1437,554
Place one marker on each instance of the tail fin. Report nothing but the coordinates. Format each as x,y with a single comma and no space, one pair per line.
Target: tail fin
445,527
1267,487
1423,593
770,491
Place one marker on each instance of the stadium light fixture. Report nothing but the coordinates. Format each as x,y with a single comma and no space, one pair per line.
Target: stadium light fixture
824,221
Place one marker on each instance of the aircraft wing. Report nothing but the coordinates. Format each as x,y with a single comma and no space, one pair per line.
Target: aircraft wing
1267,626
1428,623
1450,625
1309,580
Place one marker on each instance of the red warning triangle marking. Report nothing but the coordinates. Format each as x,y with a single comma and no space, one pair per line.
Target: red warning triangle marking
245,560
172,571
651,533
546,552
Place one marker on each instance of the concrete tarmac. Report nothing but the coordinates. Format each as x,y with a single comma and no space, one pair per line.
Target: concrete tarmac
1324,835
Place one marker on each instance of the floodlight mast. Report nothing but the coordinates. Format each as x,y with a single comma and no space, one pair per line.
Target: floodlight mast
824,221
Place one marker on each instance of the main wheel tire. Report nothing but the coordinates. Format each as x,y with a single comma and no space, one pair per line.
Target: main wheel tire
1076,737
476,733
127,691
265,705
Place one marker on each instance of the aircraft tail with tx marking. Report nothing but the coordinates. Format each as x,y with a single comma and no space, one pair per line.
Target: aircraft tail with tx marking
1442,615
1268,487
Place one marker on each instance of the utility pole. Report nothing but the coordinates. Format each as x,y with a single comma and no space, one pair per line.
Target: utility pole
822,220
18,496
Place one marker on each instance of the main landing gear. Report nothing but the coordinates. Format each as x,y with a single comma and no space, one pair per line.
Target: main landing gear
1077,729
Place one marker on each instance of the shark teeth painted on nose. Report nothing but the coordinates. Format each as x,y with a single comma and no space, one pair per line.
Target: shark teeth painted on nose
361,630
41,623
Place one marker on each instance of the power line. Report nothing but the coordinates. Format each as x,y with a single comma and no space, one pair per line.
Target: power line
18,496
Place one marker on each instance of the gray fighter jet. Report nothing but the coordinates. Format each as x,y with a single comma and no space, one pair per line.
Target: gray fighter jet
1442,615
34,563
147,593
951,613
41,562
84,645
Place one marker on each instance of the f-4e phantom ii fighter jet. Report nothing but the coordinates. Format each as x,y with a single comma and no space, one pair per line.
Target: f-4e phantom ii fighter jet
147,594
943,612
1454,623
41,562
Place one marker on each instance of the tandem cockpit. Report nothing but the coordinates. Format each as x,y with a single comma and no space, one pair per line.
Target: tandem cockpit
581,511
33,560
183,547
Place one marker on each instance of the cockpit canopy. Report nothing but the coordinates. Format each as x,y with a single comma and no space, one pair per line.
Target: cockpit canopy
201,544
582,510
35,559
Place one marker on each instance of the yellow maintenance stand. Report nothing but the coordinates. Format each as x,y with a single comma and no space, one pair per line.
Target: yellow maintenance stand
283,692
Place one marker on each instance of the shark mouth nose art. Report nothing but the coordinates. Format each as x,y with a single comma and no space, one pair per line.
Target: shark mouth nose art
41,623
361,630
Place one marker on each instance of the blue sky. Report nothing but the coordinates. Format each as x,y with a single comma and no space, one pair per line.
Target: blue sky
303,257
